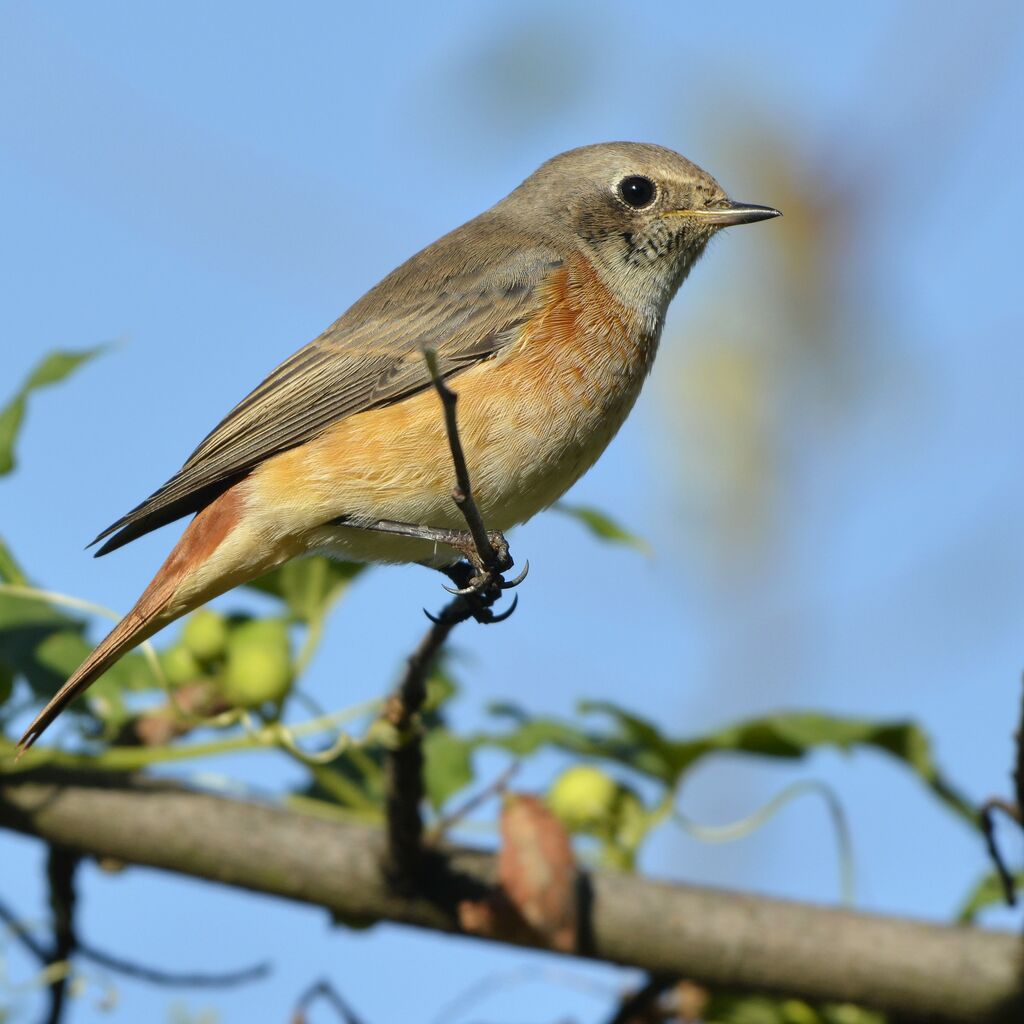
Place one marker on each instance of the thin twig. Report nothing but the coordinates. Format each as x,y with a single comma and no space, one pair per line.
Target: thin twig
462,493
173,979
1018,768
23,935
326,991
61,865
637,1004
1012,810
986,819
449,821
191,979
405,787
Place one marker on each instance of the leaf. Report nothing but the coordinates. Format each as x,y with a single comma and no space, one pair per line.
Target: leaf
603,526
10,570
51,369
987,892
44,645
449,765
640,745
537,870
308,586
25,626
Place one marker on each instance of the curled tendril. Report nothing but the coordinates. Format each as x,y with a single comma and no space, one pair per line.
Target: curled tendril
746,826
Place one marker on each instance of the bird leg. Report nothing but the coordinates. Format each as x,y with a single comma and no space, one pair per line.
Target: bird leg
481,584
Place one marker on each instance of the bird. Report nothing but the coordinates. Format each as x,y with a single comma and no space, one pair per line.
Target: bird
543,313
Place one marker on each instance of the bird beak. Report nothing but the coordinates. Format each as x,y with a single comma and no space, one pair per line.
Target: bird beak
729,214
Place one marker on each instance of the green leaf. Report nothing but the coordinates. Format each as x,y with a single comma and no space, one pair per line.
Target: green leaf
10,570
44,645
987,892
603,526
308,586
25,627
6,684
449,766
49,370
640,745
742,1008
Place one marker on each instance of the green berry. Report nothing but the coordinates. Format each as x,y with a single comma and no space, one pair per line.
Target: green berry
180,665
205,634
583,797
258,667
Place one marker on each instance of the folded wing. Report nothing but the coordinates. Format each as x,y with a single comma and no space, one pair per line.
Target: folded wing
467,302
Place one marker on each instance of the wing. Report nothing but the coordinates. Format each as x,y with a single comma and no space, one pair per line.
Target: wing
466,301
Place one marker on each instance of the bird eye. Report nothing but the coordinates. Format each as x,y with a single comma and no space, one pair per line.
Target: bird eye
637,191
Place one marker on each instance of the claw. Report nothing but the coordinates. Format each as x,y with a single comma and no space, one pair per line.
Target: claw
433,618
491,620
509,584
472,588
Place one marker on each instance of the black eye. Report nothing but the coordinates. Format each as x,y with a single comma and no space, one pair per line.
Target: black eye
636,191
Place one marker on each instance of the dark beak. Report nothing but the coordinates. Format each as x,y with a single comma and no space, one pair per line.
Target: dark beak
729,214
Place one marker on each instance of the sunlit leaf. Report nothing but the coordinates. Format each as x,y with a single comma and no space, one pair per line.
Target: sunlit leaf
640,745
50,370
987,892
44,645
603,526
308,586
449,766
25,627
10,570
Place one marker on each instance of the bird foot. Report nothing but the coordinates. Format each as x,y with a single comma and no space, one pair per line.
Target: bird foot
481,586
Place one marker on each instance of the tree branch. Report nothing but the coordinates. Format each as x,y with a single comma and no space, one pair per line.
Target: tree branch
915,971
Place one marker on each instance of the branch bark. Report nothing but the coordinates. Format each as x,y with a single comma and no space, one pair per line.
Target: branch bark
915,971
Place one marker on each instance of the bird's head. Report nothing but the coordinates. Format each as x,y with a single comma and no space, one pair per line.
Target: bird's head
642,213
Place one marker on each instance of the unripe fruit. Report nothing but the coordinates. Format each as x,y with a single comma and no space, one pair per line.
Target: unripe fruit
205,634
258,668
180,665
583,797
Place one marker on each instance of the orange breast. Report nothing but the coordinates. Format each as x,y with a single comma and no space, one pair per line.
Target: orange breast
532,420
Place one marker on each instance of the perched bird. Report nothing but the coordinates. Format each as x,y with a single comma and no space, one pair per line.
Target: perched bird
544,313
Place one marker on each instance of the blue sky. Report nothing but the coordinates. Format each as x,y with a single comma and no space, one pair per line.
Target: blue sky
212,184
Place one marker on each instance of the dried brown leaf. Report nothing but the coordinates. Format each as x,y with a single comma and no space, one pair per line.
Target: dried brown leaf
537,870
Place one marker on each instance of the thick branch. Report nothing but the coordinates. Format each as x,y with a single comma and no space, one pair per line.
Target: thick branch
916,971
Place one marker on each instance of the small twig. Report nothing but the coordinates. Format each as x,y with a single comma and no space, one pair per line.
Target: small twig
446,823
173,979
638,1004
405,788
1012,810
1018,768
23,935
326,991
61,865
154,976
987,822
462,493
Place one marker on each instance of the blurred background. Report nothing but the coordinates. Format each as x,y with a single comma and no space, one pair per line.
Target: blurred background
826,463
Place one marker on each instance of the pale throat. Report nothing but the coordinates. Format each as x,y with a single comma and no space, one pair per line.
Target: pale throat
644,280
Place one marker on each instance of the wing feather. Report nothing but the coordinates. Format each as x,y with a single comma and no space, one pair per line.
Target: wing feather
466,297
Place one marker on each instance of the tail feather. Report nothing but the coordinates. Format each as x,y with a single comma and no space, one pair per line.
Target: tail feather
136,626
173,592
